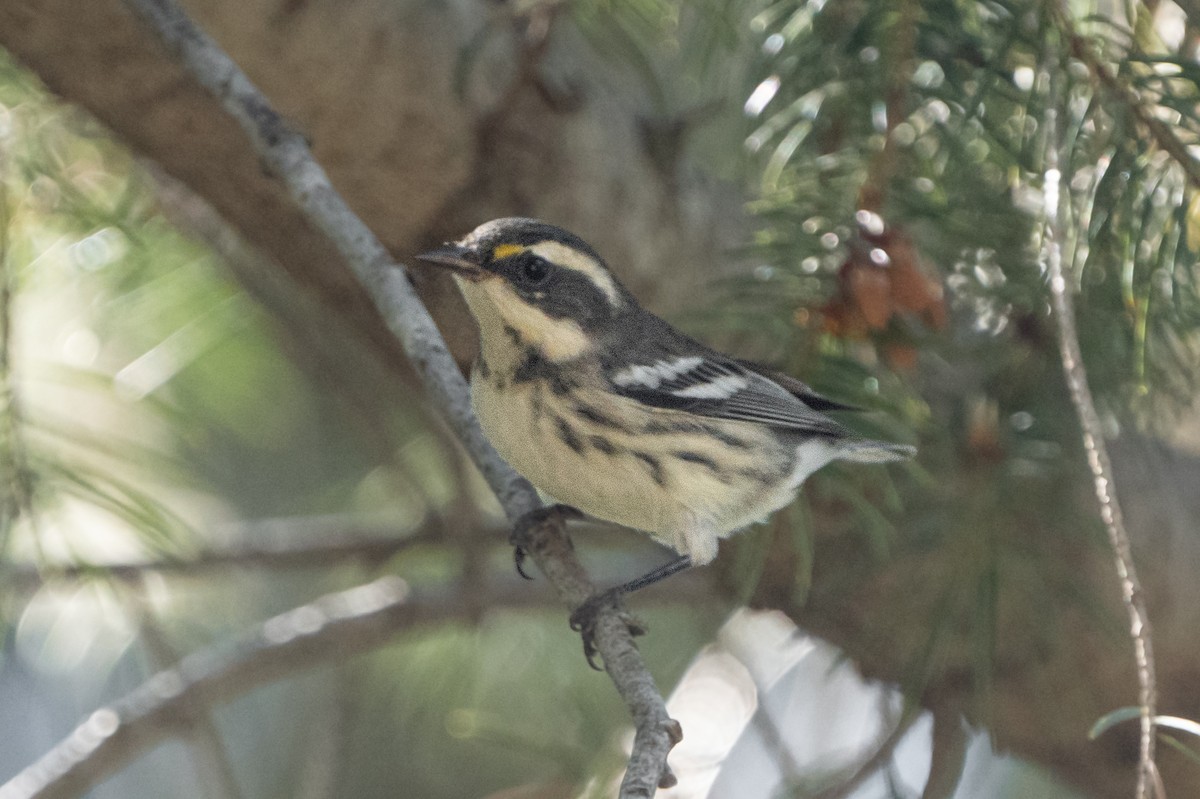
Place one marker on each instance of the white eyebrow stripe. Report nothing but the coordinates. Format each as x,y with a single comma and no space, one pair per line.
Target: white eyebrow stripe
570,258
660,372
722,388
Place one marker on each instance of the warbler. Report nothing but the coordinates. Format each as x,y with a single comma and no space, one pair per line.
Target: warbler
607,408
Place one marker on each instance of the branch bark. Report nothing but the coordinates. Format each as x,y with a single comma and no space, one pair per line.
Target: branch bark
950,741
334,626
286,154
339,541
1099,462
331,628
880,756
304,543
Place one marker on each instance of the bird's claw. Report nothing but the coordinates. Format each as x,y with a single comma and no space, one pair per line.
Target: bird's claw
583,621
519,555
519,537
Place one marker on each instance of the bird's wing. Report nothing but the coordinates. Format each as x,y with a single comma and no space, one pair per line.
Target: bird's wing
691,378
798,389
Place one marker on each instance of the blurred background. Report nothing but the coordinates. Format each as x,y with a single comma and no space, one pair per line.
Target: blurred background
205,423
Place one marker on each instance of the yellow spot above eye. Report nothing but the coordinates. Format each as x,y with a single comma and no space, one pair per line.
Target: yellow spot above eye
505,250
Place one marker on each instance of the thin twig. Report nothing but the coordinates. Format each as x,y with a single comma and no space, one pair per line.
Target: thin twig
774,739
291,543
331,628
883,752
208,754
286,154
949,755
1097,456
340,546
328,745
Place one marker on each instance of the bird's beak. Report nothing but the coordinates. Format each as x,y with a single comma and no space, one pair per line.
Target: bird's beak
463,261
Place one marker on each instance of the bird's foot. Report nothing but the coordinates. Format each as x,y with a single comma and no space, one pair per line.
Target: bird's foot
583,620
524,527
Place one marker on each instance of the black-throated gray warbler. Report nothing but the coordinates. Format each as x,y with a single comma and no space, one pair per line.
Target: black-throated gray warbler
606,407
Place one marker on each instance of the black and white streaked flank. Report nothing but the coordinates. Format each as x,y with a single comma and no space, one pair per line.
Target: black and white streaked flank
604,406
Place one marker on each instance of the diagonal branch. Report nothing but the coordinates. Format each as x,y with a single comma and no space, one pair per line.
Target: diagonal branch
883,753
950,741
286,154
1098,460
331,628
207,752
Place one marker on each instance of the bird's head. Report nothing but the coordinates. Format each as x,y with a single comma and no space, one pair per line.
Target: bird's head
529,280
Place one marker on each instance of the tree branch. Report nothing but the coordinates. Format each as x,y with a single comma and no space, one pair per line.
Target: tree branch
1097,456
293,543
330,628
285,153
343,540
203,740
333,627
949,741
882,754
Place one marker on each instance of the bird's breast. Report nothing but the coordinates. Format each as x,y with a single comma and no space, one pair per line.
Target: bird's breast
663,472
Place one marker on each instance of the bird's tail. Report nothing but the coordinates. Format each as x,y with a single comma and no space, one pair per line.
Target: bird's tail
867,451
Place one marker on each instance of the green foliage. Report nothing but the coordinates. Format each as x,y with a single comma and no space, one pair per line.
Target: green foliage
1109,720
180,372
932,115
680,53
688,65
900,150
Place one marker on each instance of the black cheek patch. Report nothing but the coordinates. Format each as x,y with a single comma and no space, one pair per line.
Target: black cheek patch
568,294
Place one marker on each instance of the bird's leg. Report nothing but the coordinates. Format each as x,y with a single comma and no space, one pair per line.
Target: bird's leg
681,563
583,619
524,527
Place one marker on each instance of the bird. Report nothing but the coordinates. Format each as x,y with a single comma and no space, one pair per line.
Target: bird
608,409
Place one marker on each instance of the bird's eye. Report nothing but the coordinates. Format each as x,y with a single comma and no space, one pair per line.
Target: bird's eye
534,270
